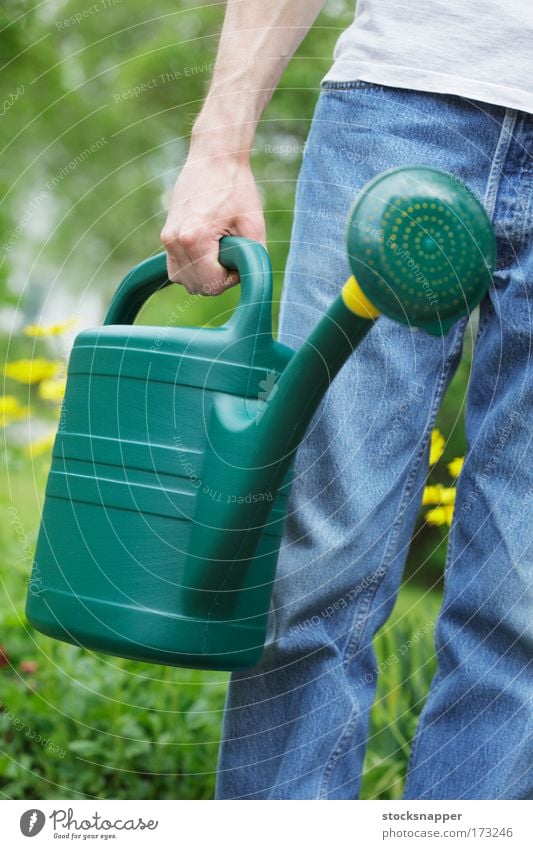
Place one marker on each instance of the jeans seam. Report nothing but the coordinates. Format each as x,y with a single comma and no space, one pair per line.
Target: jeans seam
412,755
482,327
437,398
362,613
396,527
361,618
339,749
500,153
348,85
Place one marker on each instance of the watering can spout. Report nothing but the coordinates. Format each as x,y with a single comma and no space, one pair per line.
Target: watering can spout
252,444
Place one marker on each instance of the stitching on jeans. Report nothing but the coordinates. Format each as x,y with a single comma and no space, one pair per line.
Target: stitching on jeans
338,751
360,621
500,153
361,614
437,398
396,527
484,319
336,85
412,756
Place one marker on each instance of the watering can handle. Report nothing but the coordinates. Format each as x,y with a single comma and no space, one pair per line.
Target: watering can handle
253,314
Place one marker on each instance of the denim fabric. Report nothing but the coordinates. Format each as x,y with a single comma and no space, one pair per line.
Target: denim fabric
296,725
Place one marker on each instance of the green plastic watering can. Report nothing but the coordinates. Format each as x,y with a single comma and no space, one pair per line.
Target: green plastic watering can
171,468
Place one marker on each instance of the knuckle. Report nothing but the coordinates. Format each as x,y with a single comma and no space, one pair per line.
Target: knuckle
189,238
167,236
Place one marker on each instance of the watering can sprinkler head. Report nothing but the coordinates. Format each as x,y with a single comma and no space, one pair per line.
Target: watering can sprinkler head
421,248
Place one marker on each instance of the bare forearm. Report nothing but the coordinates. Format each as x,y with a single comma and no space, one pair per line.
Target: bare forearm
216,194
257,41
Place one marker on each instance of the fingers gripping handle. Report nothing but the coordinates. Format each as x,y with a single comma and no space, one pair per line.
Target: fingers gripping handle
253,313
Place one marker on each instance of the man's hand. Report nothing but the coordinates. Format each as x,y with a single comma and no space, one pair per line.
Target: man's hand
214,196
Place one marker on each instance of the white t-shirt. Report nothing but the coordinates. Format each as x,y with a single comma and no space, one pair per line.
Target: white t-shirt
480,49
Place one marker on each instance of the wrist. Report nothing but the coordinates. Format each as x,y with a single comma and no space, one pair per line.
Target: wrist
226,126
220,142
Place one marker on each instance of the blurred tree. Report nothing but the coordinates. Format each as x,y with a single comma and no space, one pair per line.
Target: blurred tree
108,92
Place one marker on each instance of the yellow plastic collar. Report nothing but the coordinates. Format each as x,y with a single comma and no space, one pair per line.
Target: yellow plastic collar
356,300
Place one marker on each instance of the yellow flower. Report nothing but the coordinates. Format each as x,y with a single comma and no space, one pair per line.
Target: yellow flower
438,494
33,371
437,446
8,404
11,410
440,515
41,446
53,390
50,329
455,466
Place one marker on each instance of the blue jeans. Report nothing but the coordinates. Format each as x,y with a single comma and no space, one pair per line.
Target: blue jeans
296,725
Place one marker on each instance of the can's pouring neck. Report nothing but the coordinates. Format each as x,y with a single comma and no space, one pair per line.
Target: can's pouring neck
251,448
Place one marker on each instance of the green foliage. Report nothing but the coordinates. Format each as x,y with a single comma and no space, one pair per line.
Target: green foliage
85,726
